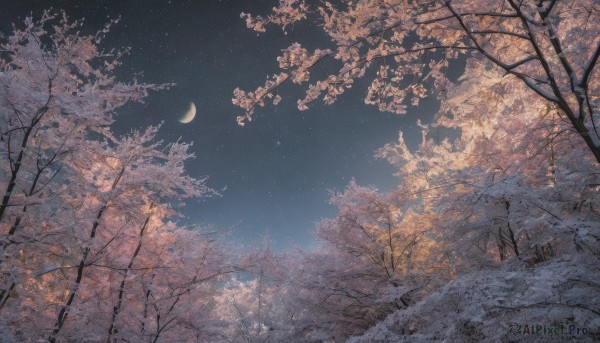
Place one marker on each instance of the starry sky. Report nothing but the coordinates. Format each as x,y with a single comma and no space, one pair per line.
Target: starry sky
274,173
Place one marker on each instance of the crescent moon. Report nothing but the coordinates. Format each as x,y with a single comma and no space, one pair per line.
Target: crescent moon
189,115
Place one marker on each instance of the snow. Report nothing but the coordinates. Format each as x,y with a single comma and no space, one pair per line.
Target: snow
482,306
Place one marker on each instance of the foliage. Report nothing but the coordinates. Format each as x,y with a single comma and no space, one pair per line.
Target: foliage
509,193
552,47
88,248
496,224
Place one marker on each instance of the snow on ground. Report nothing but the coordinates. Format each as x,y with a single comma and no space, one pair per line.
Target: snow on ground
556,301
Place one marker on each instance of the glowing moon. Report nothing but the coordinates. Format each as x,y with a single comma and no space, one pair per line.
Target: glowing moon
189,115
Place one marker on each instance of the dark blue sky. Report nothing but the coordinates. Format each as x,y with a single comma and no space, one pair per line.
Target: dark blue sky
276,170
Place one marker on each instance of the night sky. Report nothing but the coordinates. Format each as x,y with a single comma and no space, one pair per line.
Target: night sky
274,173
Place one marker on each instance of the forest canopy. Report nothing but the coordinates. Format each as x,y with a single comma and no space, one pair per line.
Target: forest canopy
487,233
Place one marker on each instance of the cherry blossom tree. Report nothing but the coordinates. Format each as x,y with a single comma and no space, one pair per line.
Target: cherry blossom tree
507,192
88,251
377,256
130,173
381,254
506,174
169,296
56,86
551,47
255,310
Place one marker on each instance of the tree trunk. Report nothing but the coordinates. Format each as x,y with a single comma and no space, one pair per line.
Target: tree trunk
64,311
117,307
511,234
